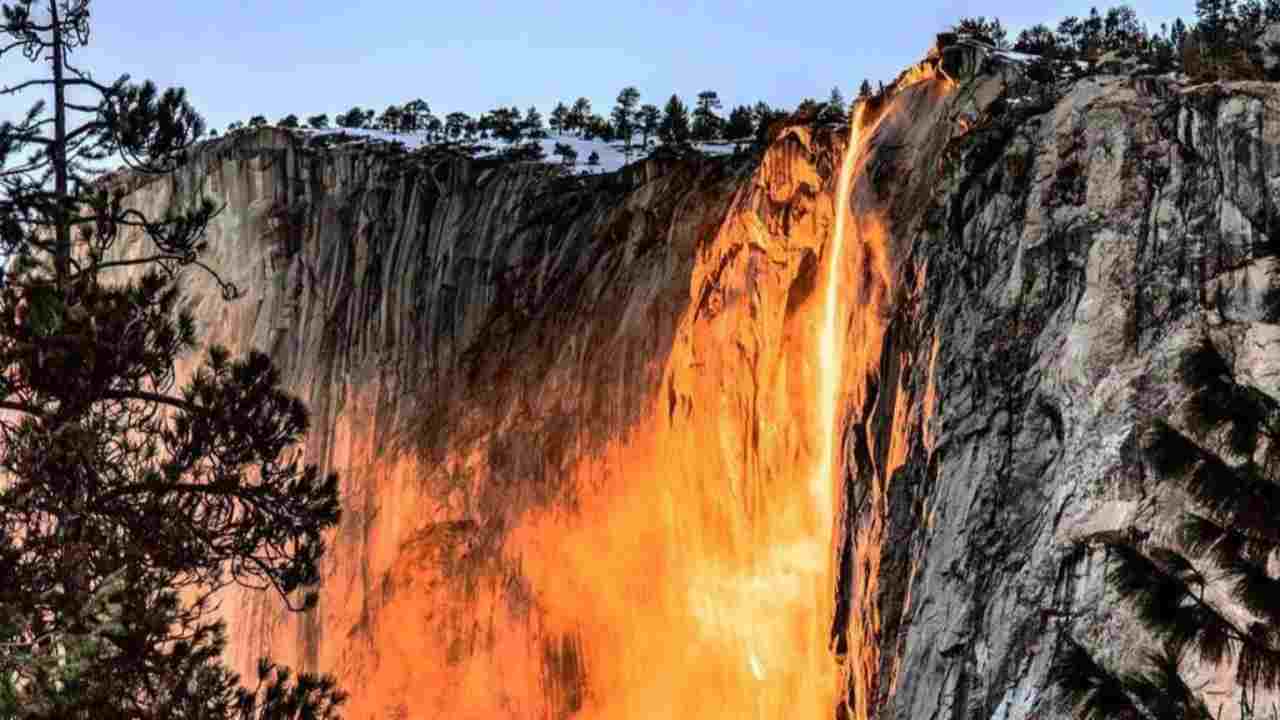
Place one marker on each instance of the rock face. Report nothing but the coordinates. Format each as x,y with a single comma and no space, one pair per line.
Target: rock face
580,426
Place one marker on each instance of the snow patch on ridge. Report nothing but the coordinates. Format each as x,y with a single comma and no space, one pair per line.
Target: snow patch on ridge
612,155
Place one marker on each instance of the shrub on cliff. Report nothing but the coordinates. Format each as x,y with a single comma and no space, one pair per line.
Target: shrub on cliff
126,502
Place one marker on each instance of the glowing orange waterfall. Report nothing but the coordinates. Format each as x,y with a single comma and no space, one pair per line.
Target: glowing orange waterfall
861,342
864,336
830,347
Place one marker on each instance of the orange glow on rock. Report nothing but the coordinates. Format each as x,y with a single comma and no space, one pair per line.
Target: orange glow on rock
698,569
689,570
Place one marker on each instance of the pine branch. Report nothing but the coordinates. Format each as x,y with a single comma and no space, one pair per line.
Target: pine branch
1254,588
1239,493
1201,535
1168,598
1161,690
1089,691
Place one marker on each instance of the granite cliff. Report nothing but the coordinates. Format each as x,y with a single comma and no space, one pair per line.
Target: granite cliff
646,445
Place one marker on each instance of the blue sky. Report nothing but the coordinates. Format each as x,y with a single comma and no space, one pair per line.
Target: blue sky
238,58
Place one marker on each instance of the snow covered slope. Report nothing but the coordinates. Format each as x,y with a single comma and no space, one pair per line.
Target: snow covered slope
612,155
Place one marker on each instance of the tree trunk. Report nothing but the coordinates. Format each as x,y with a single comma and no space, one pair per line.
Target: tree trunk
59,155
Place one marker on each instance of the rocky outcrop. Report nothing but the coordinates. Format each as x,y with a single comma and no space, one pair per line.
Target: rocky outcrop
1067,259
578,420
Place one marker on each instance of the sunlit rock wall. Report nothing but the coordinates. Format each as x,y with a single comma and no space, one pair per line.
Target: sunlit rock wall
574,420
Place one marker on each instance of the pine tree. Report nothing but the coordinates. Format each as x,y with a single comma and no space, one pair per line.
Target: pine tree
391,119
809,109
674,129
455,125
740,127
1037,40
597,127
706,123
984,30
835,110
1071,37
559,118
435,128
127,503
354,118
504,124
650,119
1250,17
568,156
1214,20
415,115
579,114
764,117
624,116
1091,36
1228,463
1178,36
864,90
532,124
1121,30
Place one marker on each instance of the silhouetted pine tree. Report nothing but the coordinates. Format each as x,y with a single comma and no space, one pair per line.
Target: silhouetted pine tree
125,502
